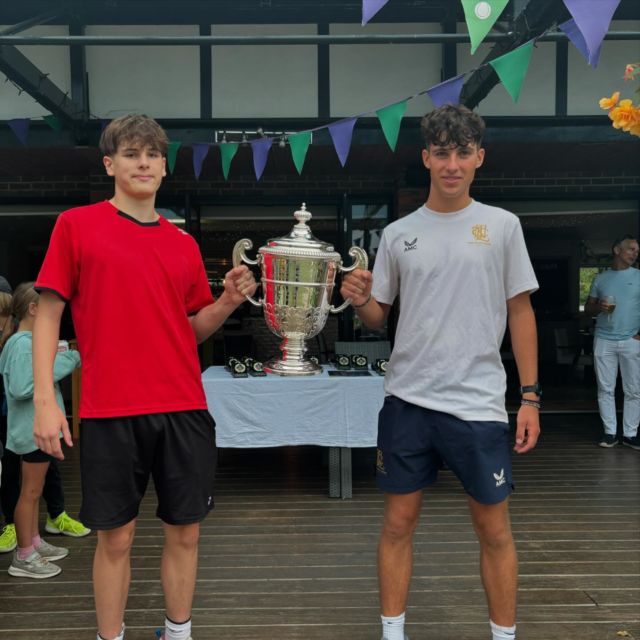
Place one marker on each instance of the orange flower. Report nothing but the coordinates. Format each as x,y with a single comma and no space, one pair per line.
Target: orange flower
624,116
609,103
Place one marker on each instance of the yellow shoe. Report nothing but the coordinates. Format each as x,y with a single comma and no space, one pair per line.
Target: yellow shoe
8,539
66,525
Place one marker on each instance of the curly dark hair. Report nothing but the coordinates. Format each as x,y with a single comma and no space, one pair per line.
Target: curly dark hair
452,125
134,129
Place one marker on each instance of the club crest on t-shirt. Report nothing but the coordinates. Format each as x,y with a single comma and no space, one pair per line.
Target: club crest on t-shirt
480,234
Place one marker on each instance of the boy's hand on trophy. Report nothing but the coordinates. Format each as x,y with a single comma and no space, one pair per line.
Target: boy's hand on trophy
238,283
356,286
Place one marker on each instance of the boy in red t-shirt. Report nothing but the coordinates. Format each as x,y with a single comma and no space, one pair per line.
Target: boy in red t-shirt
140,302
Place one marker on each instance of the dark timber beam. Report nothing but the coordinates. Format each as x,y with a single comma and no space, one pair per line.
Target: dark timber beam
534,20
41,18
29,78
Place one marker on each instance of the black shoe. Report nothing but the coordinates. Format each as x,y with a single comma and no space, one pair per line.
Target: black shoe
607,441
634,442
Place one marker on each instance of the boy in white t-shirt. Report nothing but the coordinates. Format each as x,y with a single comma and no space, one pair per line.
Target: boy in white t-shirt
461,271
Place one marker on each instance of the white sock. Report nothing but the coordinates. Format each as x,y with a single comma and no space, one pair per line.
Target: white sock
393,628
177,631
502,633
120,636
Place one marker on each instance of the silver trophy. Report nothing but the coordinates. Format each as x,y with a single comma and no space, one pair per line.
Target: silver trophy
298,275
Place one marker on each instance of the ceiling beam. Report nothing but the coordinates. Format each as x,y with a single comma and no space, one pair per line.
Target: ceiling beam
20,70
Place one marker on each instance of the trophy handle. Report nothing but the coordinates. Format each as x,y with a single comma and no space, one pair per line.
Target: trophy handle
239,256
361,261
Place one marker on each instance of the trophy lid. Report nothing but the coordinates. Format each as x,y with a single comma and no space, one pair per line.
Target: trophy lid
300,242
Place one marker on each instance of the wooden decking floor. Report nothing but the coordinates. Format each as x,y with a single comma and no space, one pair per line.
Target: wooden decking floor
281,561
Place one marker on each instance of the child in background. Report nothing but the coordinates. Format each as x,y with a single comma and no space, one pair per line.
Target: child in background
33,555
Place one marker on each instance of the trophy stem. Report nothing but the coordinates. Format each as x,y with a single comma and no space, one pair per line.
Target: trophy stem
292,362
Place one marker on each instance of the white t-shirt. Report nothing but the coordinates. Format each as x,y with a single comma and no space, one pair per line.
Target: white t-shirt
454,273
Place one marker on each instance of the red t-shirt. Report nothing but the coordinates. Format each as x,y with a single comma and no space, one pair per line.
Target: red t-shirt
131,287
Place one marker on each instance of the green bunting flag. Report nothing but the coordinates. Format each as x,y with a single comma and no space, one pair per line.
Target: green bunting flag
480,17
299,144
172,154
512,68
390,118
53,122
227,151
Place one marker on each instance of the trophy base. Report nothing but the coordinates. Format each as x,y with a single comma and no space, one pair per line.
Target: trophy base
292,368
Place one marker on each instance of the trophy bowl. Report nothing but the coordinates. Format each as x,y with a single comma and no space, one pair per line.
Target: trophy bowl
298,276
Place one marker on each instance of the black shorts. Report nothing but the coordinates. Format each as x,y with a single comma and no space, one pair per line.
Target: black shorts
37,456
413,442
117,456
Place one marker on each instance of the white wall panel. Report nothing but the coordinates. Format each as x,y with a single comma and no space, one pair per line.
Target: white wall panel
163,82
265,81
587,85
49,59
365,77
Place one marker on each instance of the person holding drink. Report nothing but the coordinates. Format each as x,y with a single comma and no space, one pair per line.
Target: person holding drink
614,299
462,272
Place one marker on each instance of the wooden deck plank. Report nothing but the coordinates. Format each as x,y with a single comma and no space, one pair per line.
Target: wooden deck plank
281,561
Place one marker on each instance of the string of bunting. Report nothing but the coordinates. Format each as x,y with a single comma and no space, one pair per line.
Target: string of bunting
586,30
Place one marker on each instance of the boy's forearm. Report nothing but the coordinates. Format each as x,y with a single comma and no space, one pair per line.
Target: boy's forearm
45,345
209,319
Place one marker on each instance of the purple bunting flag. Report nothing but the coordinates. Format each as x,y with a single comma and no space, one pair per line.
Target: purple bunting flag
370,8
103,123
260,149
341,134
575,35
200,151
20,126
592,18
447,92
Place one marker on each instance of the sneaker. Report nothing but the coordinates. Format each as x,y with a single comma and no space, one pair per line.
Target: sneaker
160,635
35,566
634,442
66,525
8,539
607,441
50,552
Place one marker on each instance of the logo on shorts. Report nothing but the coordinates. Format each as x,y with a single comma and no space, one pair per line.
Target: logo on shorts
500,479
209,501
380,463
411,246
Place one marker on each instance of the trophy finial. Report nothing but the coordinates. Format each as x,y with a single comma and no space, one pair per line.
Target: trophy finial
302,216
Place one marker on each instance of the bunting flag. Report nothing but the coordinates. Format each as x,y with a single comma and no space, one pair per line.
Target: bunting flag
341,134
172,154
575,35
447,92
390,118
53,122
200,151
370,8
260,149
20,126
480,17
512,68
299,144
592,18
103,123
227,151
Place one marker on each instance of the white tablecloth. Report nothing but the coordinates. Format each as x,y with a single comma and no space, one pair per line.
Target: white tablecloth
273,411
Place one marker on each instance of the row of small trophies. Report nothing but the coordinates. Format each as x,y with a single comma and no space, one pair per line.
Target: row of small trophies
243,367
358,362
247,366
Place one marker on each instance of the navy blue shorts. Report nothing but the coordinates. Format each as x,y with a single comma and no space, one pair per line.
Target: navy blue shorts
118,455
414,441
